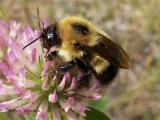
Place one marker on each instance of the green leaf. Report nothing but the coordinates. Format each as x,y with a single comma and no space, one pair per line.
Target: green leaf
94,114
30,116
99,104
3,116
40,64
63,117
32,76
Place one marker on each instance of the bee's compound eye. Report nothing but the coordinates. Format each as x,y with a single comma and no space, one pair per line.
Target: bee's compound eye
50,35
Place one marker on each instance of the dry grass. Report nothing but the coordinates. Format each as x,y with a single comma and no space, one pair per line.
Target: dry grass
135,24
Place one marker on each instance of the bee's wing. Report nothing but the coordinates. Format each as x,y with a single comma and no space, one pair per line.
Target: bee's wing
112,52
109,50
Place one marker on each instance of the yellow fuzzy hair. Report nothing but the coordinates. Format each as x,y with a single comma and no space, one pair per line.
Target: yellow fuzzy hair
98,63
69,36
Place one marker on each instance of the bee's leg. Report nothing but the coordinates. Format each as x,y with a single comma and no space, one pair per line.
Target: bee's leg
86,78
51,56
83,65
65,68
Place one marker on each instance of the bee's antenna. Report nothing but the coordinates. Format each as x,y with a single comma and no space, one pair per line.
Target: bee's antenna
31,42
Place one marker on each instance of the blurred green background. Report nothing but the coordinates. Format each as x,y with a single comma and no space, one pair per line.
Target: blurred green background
134,24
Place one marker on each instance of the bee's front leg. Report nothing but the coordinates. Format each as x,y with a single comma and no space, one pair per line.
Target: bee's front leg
51,55
65,68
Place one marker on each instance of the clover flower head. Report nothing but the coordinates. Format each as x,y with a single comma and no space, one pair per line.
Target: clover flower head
27,76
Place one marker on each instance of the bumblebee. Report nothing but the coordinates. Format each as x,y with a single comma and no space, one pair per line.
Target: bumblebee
78,42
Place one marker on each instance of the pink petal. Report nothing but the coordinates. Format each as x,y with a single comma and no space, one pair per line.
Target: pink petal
37,33
34,96
55,111
2,89
97,96
4,28
53,97
45,83
12,104
66,105
71,116
3,66
42,111
6,89
20,55
30,107
46,67
29,33
11,58
73,84
4,107
74,105
13,62
14,27
28,95
33,55
22,73
62,84
68,76
19,90
22,111
79,108
71,101
95,85
94,92
3,43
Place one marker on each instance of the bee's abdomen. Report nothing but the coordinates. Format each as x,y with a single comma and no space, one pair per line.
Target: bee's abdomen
108,74
102,69
98,63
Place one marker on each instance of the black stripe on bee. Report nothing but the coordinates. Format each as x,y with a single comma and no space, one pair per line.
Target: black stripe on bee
80,28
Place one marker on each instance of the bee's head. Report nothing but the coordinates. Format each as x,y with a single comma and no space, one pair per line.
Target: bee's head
49,37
